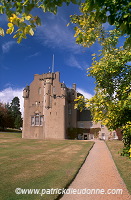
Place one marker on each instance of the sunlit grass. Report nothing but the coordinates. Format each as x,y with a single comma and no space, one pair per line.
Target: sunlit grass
38,164
123,163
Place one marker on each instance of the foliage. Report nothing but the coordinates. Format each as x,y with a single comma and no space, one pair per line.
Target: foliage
16,114
95,13
123,163
127,139
111,103
10,115
3,116
111,68
81,103
19,15
73,133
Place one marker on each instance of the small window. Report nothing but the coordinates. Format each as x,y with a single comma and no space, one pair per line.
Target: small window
54,96
102,126
41,120
32,121
81,125
39,91
91,124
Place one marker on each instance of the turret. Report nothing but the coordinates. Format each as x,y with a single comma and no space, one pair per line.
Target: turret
26,92
63,89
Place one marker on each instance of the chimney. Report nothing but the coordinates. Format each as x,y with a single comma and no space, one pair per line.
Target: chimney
74,86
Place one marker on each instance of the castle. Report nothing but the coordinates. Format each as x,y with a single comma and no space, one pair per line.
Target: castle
49,111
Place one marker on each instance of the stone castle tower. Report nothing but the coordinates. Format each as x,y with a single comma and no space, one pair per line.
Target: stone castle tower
48,108
49,112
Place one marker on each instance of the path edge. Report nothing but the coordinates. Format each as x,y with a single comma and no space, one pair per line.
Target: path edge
118,169
70,182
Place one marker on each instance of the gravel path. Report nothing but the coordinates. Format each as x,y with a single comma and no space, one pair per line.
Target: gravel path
98,172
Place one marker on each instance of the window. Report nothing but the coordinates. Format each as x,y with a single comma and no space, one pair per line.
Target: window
103,136
41,120
54,96
37,120
32,121
91,124
39,91
102,126
81,125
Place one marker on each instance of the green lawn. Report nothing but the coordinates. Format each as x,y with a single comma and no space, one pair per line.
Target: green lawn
123,163
38,164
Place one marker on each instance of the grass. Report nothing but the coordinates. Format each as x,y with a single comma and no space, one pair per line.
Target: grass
38,164
123,164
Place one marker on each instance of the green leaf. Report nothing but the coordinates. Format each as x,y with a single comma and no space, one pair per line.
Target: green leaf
1,9
126,15
16,35
38,21
19,40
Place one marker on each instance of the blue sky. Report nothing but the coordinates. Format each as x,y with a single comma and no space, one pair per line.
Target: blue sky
19,62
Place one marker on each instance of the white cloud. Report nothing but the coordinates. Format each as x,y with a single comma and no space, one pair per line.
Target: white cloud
7,46
73,62
55,33
33,55
7,95
85,93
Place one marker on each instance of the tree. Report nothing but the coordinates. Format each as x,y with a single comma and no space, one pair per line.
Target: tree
15,112
95,13
9,119
3,116
111,68
10,115
20,20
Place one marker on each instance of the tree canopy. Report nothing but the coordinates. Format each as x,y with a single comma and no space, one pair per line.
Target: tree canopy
95,13
10,115
19,15
111,67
